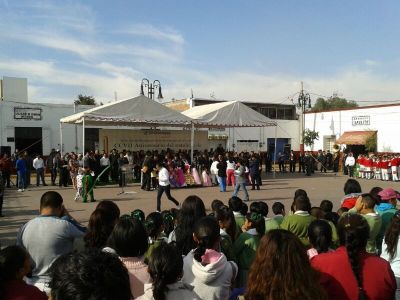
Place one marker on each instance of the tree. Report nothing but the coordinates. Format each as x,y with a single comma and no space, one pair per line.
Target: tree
371,143
332,103
309,136
85,100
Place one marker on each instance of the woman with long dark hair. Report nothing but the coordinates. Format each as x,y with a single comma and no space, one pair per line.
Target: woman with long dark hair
192,210
281,270
391,248
227,225
350,272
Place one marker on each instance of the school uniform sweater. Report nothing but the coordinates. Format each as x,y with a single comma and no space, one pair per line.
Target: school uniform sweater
386,211
245,248
278,219
339,281
271,224
227,245
298,224
239,219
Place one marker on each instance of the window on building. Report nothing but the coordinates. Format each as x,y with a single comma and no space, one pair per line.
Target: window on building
329,142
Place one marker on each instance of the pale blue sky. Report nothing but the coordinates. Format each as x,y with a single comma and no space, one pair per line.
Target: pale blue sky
245,50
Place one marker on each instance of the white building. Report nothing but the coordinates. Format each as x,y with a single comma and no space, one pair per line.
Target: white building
355,125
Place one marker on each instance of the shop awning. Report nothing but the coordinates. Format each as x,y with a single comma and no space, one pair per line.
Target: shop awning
355,137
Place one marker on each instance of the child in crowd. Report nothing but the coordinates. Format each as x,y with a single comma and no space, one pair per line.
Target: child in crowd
165,269
236,205
15,264
246,245
139,215
352,190
205,268
227,225
320,237
154,226
279,211
341,211
270,223
298,222
168,222
79,185
215,205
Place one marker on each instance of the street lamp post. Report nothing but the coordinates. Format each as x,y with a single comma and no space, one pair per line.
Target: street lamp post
304,102
150,88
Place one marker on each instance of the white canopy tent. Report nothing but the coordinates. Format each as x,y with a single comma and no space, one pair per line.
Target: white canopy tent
228,114
135,112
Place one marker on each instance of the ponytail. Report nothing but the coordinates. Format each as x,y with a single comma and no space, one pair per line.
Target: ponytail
353,232
153,225
258,222
201,248
207,234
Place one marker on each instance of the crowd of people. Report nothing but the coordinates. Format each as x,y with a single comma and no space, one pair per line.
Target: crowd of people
236,250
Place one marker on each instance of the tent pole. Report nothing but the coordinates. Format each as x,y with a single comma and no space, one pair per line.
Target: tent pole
61,139
83,136
191,144
276,133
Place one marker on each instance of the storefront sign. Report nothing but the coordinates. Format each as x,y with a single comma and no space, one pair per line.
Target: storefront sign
361,120
27,113
136,140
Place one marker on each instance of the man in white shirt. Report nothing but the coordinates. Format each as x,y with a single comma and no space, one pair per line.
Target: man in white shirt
38,165
349,163
163,186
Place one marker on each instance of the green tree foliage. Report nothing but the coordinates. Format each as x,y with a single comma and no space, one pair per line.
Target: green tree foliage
333,103
309,136
85,100
371,143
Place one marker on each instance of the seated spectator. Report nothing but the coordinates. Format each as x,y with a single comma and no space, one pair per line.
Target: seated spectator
236,205
270,223
15,264
90,274
192,210
281,270
319,214
154,228
298,222
48,236
168,222
247,243
365,206
227,225
390,248
139,215
320,237
341,211
205,267
350,272
110,207
352,190
165,269
386,209
215,204
130,242
279,211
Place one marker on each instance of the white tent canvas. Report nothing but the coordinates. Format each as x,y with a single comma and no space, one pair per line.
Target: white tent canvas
138,111
227,114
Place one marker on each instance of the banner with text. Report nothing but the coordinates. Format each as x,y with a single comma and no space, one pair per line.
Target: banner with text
151,139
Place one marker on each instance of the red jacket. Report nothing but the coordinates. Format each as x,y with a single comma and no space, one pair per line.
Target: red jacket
368,163
19,290
384,164
339,281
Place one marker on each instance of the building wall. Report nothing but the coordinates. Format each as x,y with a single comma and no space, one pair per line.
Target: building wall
383,119
14,89
46,116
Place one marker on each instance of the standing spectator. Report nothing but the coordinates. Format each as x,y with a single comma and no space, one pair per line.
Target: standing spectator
214,171
48,236
292,162
104,164
240,180
391,248
62,166
122,162
301,163
130,242
164,186
15,264
28,162
6,168
350,272
281,162
73,166
268,162
38,165
221,167
281,270
230,171
114,165
2,182
255,172
50,164
147,168
309,163
329,159
21,173
349,164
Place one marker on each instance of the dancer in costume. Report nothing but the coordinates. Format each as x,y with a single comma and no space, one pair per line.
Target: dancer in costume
87,186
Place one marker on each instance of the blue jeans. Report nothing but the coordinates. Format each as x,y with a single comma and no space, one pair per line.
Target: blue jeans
237,188
222,183
21,179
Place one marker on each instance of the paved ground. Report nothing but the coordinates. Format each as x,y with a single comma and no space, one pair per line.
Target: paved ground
21,207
